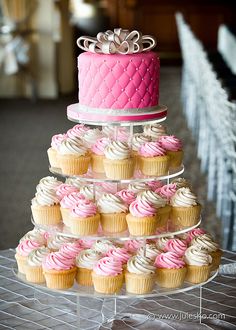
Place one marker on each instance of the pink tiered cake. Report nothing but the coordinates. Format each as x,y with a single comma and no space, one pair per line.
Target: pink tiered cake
118,78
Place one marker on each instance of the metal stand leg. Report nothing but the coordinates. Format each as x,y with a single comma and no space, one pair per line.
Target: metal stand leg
200,304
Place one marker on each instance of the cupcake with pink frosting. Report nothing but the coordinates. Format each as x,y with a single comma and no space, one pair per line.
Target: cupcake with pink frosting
176,245
97,155
84,218
171,270
53,150
167,191
71,250
108,276
173,146
59,271
153,159
126,195
120,254
77,131
155,184
194,233
65,189
23,250
67,203
142,218
133,245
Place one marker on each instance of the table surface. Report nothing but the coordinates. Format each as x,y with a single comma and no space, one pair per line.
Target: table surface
24,307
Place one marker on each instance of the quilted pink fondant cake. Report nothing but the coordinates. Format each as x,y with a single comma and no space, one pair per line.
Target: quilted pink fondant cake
118,78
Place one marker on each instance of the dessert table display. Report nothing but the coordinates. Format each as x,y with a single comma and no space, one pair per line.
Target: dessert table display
122,228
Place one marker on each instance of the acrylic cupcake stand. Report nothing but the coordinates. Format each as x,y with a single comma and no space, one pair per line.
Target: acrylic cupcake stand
112,307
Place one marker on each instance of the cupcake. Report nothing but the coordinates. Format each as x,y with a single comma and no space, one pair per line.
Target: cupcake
120,254
59,271
154,185
153,159
136,141
33,266
87,243
45,205
22,251
56,242
133,245
185,209
77,131
142,219
194,233
97,155
76,182
205,242
167,191
71,250
118,163
126,195
74,157
176,245
36,235
67,203
173,146
103,246
107,275
113,213
140,275
65,189
88,191
84,218
155,131
150,251
161,242
171,270
162,209
53,150
198,263
91,136
137,187
85,262
181,183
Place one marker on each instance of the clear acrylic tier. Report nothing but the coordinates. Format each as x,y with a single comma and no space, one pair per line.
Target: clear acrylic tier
87,291
167,231
91,176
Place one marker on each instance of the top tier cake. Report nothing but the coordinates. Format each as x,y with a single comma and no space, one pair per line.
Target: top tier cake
118,77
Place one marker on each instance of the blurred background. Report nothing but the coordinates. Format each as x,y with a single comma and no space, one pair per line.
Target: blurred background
38,79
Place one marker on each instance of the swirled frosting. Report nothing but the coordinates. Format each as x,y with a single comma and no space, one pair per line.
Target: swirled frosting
88,258
170,143
57,241
56,140
133,245
167,191
77,131
117,150
181,183
137,187
103,246
71,250
84,209
57,261
48,183
35,235
138,139
73,147
196,256
140,265
87,191
176,245
121,254
65,189
91,136
194,233
87,243
205,242
108,266
46,192
116,133
74,182
100,145
26,246
149,250
183,198
70,200
154,130
126,195
155,184
153,198
110,203
140,208
161,242
36,257
170,260
151,149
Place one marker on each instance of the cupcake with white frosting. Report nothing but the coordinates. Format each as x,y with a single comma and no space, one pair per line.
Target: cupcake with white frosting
74,157
155,131
138,187
103,246
91,136
150,251
185,209
56,242
33,267
88,191
113,213
140,275
119,162
181,183
136,141
198,263
46,204
85,263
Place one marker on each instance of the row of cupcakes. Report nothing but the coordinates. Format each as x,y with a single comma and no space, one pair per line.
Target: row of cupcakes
107,265
81,147
143,212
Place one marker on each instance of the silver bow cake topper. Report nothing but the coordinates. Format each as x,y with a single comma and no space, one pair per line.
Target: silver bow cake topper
118,42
